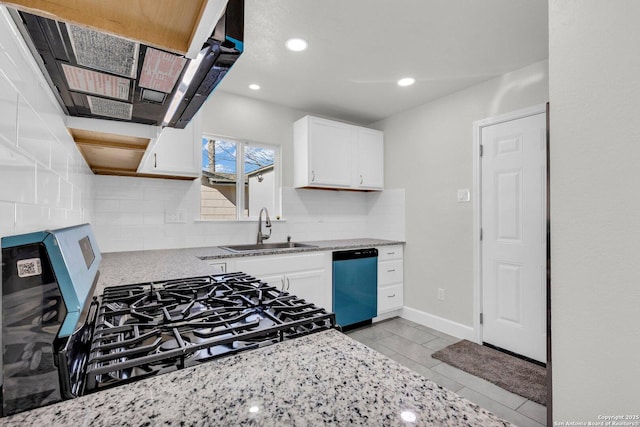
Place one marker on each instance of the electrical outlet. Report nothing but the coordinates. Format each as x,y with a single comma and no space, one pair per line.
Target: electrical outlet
440,294
175,217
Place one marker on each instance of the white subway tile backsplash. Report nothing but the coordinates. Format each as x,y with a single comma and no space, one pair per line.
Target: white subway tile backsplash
40,187
66,194
47,187
386,218
74,217
30,218
118,218
33,136
153,218
124,222
117,192
57,218
8,110
59,159
132,206
7,218
139,232
76,198
145,206
17,175
106,205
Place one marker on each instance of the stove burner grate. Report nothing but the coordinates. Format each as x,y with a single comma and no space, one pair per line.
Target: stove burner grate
156,327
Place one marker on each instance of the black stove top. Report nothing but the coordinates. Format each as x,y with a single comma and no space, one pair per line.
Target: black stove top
146,329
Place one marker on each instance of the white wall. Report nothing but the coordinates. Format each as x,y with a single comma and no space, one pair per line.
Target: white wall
428,152
44,181
594,85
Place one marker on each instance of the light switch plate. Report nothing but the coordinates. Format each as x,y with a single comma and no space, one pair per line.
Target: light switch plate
464,195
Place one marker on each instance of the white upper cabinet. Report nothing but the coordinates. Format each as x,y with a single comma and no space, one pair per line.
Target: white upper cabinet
176,152
370,159
330,154
322,153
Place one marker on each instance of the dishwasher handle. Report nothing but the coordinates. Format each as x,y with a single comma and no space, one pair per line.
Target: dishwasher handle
355,254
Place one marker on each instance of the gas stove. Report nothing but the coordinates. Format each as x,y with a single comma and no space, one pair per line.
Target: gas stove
129,332
146,329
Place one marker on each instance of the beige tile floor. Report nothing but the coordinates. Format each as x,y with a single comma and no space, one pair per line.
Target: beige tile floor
412,345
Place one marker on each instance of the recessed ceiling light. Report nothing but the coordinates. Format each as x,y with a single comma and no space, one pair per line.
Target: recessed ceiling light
407,81
296,44
254,86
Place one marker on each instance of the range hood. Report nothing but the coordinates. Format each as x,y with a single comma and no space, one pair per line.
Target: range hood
101,75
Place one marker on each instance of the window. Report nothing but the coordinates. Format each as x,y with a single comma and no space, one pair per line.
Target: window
238,179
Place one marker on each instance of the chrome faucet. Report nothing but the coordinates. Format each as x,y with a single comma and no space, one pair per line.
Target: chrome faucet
267,224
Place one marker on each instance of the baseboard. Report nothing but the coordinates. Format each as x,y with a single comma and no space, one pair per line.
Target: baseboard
387,315
441,324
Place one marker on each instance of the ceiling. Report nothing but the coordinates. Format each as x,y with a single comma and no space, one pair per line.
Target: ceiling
358,49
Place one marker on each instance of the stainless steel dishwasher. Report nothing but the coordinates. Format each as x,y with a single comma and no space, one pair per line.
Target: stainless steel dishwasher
355,286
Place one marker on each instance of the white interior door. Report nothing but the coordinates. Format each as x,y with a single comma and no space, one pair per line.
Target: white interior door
513,215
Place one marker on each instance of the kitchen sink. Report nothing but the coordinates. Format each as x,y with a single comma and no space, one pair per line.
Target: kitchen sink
257,247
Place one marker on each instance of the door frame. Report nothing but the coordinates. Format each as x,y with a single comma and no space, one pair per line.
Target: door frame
476,195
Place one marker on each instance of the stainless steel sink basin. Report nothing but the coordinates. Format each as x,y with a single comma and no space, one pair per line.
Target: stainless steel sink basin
256,247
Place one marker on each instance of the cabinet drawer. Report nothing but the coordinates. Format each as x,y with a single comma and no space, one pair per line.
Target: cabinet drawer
218,267
389,252
276,264
390,298
389,272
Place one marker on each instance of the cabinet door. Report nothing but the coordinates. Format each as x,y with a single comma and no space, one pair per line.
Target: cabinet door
310,286
330,153
370,159
276,280
175,152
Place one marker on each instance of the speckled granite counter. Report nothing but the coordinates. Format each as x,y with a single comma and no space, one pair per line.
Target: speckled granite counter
324,378
121,268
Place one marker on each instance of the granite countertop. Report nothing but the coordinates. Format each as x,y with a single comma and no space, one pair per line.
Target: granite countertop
323,378
122,268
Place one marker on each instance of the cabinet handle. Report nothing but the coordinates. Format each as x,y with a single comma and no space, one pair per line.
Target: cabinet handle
288,283
282,282
313,176
155,160
391,296
361,179
391,253
391,271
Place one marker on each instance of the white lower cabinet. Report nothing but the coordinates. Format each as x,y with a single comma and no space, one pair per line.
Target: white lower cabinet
305,285
307,276
390,278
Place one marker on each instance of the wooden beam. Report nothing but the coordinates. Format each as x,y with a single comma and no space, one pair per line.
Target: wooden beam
108,144
127,172
113,171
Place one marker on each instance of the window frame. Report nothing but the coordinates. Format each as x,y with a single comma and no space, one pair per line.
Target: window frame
241,145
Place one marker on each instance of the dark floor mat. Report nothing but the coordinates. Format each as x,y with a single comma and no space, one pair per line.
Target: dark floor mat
523,378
